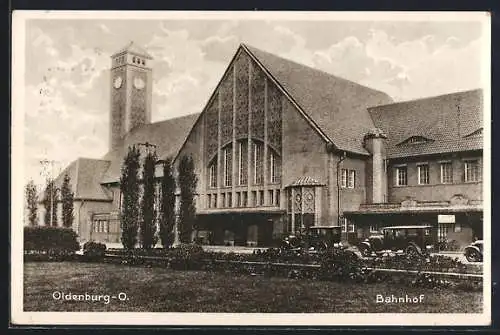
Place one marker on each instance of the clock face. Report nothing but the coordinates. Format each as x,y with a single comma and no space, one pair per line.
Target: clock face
118,82
139,83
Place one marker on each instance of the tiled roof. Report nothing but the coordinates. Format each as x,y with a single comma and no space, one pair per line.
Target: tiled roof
445,120
306,181
168,136
85,175
90,172
336,105
131,47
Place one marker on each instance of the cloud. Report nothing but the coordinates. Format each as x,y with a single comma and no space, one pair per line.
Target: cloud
67,68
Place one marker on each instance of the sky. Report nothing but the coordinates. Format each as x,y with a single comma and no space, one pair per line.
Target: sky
67,63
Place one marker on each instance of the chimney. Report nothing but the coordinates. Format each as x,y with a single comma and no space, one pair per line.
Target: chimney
376,178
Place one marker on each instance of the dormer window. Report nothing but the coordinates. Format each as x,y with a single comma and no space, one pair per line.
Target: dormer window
475,133
416,140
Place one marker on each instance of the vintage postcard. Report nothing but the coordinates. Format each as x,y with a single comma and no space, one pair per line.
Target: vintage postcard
251,168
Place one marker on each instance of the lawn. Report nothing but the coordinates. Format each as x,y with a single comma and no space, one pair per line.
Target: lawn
164,290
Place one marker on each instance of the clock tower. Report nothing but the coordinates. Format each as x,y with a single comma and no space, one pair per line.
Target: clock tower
131,91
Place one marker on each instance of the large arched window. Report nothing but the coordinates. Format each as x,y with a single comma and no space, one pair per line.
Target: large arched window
258,162
249,165
274,167
212,173
227,164
242,159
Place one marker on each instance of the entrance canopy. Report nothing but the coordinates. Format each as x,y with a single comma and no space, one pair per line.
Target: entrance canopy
419,209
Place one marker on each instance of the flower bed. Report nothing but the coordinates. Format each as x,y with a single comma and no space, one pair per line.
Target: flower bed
337,265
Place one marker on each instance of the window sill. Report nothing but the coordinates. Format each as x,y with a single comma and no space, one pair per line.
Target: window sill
438,184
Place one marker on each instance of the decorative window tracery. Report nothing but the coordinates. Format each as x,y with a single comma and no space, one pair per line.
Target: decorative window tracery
257,92
241,68
274,123
226,113
211,128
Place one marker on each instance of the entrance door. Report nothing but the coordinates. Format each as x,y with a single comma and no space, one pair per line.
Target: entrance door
253,235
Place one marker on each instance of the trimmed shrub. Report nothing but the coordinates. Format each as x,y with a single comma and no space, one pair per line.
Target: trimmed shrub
54,243
187,257
94,250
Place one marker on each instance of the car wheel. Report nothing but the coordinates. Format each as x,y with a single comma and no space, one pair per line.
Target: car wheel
412,252
473,256
365,251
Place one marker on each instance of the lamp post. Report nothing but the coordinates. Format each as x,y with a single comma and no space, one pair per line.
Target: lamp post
53,192
48,176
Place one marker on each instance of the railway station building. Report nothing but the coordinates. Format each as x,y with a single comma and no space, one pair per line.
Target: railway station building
280,146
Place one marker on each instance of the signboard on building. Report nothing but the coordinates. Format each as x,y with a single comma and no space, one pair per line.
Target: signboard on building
444,218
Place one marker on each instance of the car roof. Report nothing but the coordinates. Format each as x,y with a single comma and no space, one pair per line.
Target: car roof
404,227
325,227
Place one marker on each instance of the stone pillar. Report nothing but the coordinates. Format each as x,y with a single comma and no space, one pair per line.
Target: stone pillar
376,188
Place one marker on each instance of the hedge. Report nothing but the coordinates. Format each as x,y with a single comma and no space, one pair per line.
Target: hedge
49,242
94,250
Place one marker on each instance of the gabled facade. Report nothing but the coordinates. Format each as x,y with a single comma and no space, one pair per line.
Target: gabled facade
281,146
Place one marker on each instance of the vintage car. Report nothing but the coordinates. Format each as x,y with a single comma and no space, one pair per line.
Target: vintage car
474,251
412,240
315,238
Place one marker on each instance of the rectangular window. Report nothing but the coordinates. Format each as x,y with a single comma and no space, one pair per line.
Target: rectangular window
242,163
105,226
213,175
352,179
347,226
229,199
443,231
446,173
270,197
209,200
344,178
244,199
223,199
258,164
228,166
254,198
472,170
348,178
423,174
215,201
238,199
401,178
278,195
261,198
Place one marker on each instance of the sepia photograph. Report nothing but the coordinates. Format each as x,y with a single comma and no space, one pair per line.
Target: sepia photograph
250,168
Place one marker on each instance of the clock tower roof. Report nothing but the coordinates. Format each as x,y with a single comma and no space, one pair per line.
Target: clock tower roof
133,48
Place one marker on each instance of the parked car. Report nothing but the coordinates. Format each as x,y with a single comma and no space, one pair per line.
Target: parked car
315,238
412,240
474,251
